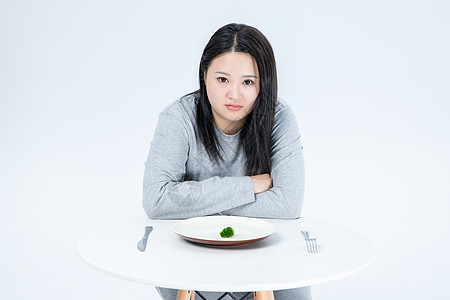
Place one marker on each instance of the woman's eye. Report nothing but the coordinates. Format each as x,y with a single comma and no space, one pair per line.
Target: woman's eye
248,82
223,79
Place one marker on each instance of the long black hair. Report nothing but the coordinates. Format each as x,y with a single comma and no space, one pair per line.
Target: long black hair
256,134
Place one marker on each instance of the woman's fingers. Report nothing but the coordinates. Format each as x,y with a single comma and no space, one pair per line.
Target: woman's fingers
261,183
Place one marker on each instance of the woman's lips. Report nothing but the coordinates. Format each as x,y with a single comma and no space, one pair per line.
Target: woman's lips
233,107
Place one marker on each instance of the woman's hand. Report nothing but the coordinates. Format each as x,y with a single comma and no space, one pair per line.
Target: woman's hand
261,183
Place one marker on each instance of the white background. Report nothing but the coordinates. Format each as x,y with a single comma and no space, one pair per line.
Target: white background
82,83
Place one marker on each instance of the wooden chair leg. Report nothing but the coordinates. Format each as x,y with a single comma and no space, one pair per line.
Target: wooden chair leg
264,295
185,295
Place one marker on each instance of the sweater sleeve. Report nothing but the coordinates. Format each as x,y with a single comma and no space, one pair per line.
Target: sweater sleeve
284,200
166,194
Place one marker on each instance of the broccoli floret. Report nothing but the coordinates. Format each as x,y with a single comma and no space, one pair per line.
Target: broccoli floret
227,232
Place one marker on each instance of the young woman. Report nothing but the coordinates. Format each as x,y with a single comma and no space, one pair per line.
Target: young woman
230,148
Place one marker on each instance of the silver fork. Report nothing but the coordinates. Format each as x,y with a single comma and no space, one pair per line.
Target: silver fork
311,243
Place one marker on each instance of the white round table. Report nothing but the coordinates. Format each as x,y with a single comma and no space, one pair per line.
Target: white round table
172,262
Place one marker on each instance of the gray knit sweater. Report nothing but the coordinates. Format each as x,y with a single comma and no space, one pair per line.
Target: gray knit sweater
181,181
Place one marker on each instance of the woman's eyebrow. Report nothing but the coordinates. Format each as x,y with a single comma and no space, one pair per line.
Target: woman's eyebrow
226,74
223,73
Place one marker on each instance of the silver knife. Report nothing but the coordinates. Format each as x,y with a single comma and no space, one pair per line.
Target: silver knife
142,244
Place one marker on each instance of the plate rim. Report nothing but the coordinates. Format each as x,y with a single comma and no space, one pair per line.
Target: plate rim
225,242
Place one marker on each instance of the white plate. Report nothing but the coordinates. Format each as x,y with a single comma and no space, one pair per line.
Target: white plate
206,230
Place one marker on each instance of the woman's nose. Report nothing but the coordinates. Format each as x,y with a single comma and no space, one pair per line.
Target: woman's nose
233,91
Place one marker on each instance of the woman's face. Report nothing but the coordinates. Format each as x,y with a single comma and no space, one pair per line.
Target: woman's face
232,85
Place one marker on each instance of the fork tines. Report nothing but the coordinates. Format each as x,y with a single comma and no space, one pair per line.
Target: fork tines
311,244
